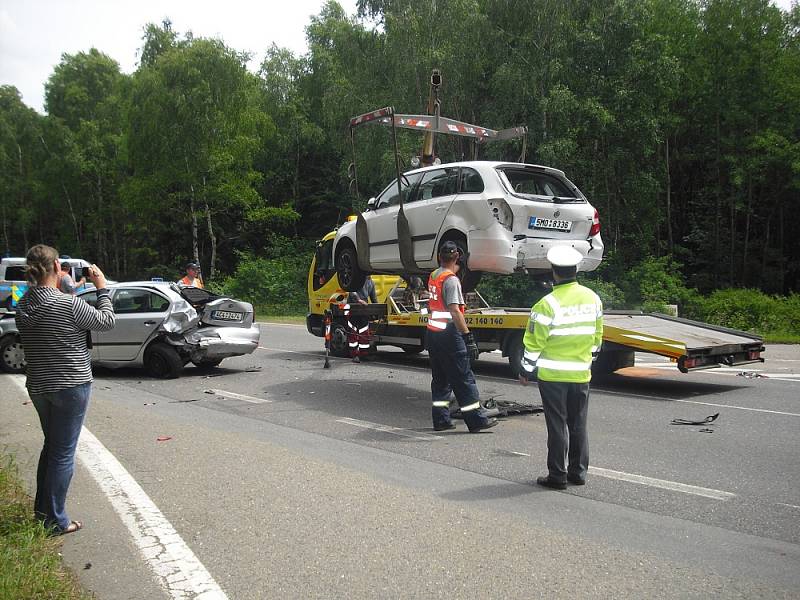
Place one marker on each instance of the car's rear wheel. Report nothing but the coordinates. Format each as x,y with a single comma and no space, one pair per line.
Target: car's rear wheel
469,279
339,345
12,354
162,361
351,277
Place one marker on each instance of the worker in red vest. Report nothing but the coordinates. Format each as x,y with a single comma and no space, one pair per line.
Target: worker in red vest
451,347
192,277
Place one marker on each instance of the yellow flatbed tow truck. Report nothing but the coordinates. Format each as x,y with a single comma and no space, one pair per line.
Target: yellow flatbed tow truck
398,320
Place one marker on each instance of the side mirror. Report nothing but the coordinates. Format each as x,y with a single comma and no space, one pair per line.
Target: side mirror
371,203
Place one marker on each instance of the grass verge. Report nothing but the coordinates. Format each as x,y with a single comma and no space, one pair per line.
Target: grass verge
30,564
292,319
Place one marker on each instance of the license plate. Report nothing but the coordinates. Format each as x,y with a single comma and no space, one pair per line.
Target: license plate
224,315
542,223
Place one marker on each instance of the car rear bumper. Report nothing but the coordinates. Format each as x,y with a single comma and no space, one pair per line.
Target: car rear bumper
222,342
496,251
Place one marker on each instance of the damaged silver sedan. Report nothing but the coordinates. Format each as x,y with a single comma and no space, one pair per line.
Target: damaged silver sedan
164,327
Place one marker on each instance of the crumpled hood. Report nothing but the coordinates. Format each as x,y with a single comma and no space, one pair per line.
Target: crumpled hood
32,307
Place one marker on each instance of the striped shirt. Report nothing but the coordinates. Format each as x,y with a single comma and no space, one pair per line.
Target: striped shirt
53,328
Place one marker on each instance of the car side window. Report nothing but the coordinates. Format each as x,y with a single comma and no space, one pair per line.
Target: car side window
437,183
138,301
90,298
15,273
390,197
471,182
323,267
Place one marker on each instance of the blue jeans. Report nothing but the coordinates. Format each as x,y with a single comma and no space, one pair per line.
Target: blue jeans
61,415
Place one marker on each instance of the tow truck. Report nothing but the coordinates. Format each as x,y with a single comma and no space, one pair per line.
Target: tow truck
399,320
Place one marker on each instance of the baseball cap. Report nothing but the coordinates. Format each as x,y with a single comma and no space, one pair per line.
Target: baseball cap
192,265
564,256
448,249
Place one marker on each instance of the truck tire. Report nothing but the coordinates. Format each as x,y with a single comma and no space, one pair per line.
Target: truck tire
413,349
514,350
12,354
469,279
609,361
162,361
351,277
339,345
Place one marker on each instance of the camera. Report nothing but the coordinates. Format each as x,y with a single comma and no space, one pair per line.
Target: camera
86,271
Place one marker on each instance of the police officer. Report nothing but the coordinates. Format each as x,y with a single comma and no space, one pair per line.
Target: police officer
451,346
563,337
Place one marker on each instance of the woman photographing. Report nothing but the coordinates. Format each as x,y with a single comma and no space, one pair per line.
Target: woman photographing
53,327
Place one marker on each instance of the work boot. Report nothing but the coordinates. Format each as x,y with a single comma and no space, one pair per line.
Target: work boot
444,426
553,484
481,419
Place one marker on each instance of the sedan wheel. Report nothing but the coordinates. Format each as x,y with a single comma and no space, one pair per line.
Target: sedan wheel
12,355
162,361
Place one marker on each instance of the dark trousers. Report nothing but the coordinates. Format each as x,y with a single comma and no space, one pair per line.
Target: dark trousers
61,415
566,406
358,337
452,373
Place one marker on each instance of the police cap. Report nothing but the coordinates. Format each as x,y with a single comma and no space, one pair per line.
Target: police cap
564,256
192,265
449,249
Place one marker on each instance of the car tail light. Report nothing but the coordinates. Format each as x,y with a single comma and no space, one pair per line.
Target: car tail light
595,224
753,355
502,212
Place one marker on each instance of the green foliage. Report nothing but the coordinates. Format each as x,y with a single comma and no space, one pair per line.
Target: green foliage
274,283
30,563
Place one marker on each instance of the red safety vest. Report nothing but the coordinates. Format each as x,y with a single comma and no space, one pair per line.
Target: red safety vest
439,315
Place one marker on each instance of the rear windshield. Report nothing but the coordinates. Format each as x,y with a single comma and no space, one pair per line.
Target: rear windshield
526,182
15,273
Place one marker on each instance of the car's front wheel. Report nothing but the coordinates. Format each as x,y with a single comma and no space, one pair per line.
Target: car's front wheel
12,354
162,361
351,277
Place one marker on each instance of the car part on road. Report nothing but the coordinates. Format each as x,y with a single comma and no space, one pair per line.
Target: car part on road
706,421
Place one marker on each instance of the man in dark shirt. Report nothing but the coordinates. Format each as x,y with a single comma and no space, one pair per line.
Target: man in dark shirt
358,337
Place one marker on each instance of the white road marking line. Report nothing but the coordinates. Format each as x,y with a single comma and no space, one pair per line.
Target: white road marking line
271,324
789,505
178,570
518,453
750,408
389,429
176,567
663,484
235,396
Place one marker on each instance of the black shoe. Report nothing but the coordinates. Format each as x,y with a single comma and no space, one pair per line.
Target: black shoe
444,426
553,484
575,480
485,425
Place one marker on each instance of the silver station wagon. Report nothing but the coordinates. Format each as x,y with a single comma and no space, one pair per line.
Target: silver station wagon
504,216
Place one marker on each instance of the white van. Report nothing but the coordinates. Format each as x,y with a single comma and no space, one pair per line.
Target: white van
13,284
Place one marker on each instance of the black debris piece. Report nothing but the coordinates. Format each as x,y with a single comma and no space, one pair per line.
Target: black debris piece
706,421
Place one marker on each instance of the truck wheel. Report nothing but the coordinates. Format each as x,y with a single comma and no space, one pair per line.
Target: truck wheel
339,345
515,349
413,349
12,354
469,279
609,361
351,277
162,361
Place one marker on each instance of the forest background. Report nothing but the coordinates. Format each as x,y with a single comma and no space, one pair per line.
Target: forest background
679,119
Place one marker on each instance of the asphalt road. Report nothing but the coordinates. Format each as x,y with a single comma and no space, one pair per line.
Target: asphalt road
284,479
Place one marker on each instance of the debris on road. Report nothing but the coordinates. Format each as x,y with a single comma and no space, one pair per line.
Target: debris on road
163,438
751,375
706,421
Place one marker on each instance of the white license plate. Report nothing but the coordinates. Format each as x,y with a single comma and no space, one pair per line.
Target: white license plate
224,315
542,223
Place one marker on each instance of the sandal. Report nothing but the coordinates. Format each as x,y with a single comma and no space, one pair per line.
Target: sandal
72,527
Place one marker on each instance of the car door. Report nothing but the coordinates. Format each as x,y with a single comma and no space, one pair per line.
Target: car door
427,209
382,223
139,312
91,299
